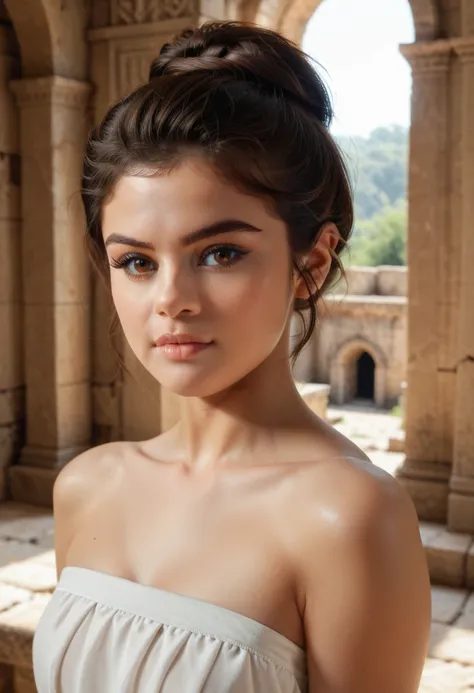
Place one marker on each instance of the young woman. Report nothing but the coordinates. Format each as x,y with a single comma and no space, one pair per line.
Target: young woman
251,548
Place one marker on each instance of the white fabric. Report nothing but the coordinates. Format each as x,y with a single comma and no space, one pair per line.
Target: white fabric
103,634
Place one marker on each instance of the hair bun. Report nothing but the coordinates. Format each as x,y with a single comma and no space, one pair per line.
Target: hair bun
239,51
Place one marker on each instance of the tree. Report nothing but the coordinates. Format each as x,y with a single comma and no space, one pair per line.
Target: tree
378,169
380,240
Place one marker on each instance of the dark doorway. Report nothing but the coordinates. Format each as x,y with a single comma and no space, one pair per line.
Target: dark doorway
365,377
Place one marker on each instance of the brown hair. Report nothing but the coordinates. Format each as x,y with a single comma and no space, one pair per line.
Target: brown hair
252,103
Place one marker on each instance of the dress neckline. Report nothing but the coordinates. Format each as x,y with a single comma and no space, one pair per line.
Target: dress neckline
178,610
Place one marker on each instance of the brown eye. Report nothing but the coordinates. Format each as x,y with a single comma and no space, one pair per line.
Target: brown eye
135,266
222,256
138,266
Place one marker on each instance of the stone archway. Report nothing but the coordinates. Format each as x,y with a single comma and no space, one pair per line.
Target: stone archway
344,371
53,100
290,17
51,37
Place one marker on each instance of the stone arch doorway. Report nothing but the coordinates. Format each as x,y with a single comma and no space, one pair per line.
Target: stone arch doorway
365,377
290,17
358,370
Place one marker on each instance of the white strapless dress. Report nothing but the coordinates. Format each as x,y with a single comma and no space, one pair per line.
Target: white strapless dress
104,634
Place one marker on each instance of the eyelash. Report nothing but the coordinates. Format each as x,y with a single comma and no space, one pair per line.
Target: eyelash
127,258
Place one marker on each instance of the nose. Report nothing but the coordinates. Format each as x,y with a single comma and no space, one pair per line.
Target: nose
176,292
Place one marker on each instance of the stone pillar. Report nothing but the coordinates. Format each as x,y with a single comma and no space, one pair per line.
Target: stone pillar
461,498
124,39
54,119
430,375
11,309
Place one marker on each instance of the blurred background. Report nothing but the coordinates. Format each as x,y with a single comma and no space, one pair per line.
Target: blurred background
391,363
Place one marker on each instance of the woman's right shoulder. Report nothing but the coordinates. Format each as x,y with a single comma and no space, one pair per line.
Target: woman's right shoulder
82,480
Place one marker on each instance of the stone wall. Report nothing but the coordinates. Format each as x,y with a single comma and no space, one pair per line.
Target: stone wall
79,56
365,320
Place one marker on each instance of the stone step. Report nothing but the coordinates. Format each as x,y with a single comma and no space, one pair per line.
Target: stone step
450,555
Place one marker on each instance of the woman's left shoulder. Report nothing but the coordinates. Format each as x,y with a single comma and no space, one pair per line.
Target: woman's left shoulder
352,496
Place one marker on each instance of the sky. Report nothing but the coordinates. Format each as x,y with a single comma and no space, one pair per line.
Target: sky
356,42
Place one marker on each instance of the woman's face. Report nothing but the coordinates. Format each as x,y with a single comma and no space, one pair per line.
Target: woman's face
195,260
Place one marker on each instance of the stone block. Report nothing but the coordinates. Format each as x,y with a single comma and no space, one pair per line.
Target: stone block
14,551
446,556
316,396
11,352
391,281
396,442
12,405
429,531
72,352
446,677
59,417
24,680
106,405
29,575
31,528
9,510
6,678
470,568
466,619
10,249
11,595
430,497
74,415
447,603
461,512
450,643
32,484
17,628
10,442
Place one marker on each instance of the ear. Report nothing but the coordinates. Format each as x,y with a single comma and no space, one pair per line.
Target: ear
318,260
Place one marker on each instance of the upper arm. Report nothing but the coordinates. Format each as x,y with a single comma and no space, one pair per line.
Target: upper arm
368,603
73,494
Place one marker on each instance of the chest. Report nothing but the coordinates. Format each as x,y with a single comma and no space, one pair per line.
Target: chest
219,542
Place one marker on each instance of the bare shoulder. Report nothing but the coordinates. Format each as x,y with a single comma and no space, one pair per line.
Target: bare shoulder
348,497
362,574
78,481
82,486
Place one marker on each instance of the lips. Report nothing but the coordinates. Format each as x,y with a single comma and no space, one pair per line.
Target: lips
179,339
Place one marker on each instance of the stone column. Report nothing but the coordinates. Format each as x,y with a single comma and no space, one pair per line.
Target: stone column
430,374
461,498
125,38
54,119
11,309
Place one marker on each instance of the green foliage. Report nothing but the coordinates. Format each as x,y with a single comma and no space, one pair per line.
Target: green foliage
378,166
380,240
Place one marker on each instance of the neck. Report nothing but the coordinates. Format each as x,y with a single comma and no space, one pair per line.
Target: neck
244,424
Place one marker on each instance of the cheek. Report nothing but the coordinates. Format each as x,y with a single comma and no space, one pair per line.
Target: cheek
131,303
256,301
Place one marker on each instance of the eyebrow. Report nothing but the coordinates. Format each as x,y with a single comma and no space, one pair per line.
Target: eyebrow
225,226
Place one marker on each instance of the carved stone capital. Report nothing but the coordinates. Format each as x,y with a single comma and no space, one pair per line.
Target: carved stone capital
427,58
145,11
51,90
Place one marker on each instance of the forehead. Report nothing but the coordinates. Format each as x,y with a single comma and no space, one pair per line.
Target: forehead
187,197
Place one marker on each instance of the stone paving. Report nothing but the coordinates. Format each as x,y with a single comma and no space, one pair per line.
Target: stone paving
28,576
